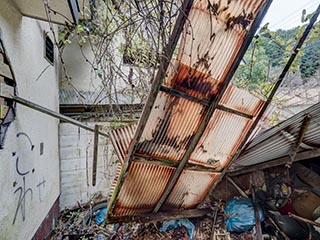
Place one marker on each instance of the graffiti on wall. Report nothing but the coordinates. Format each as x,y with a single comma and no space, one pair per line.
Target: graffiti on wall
25,173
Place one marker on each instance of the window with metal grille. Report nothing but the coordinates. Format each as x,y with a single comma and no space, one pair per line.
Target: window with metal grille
48,49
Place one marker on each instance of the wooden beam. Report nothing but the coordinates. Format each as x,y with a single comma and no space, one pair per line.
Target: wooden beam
304,220
162,161
233,111
6,91
95,154
203,102
243,194
256,213
161,216
180,94
5,70
3,111
302,131
210,110
54,114
156,83
276,162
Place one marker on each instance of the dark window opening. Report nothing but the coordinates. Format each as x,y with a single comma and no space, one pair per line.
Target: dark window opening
49,49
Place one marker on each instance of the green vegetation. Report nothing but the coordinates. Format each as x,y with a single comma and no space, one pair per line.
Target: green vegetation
269,52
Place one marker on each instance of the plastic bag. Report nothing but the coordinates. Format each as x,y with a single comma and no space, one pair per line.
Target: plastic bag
173,224
100,216
240,215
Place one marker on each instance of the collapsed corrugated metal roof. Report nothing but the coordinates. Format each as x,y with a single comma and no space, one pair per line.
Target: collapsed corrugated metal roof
278,141
196,123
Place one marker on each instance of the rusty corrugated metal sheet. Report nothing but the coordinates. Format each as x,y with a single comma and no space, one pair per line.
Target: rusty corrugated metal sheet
142,189
210,44
212,39
172,123
240,100
278,141
190,190
220,139
121,139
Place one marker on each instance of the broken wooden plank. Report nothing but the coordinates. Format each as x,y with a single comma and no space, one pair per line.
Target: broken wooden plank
256,213
278,229
5,71
160,216
299,139
95,154
243,194
6,91
3,111
304,220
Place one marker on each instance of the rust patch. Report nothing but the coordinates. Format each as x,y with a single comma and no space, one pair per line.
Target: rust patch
164,137
195,83
242,20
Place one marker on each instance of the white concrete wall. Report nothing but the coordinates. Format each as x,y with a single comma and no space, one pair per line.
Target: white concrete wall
86,81
29,178
76,155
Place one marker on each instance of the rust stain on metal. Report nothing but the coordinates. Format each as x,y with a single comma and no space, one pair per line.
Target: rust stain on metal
121,139
220,139
195,83
277,142
172,124
242,101
211,41
190,190
142,189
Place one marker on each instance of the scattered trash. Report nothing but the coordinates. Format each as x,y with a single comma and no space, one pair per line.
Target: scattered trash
240,215
173,224
101,216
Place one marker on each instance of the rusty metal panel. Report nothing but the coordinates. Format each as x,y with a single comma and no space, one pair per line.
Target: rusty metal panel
278,141
172,123
220,140
121,139
212,39
241,100
142,189
191,81
190,190
209,45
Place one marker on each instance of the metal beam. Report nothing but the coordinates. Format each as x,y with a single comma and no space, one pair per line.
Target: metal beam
159,217
213,105
54,114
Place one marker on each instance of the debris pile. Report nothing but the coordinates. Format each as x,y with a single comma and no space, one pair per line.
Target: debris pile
273,204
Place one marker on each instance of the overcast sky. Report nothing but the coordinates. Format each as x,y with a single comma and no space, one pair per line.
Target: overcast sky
286,14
